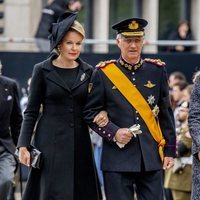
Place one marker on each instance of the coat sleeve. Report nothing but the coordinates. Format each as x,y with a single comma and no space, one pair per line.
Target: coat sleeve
194,116
31,112
95,103
16,116
166,118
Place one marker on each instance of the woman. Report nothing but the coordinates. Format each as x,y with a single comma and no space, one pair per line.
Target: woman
194,126
60,85
183,33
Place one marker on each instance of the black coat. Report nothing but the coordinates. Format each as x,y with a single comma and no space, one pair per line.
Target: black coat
104,96
68,170
176,36
10,113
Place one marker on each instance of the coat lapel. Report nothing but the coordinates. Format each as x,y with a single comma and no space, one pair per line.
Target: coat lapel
83,74
81,78
54,77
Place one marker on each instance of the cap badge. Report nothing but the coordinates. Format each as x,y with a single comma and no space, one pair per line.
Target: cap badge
133,25
149,84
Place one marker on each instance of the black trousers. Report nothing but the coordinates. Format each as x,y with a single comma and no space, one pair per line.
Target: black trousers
122,185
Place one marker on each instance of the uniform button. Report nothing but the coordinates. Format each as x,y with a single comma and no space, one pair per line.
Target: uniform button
133,79
136,111
71,110
71,124
99,129
133,73
109,135
104,132
137,118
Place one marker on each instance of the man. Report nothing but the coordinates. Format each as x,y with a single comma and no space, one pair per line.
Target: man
134,92
10,124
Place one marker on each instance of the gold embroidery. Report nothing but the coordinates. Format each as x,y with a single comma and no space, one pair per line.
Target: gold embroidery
149,84
131,67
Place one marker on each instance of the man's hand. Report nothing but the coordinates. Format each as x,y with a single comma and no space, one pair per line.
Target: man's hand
168,163
123,136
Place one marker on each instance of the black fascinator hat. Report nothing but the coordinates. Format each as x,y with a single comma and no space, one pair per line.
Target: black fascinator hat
60,28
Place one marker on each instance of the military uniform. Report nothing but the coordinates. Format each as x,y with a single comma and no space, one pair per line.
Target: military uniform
141,153
179,178
132,94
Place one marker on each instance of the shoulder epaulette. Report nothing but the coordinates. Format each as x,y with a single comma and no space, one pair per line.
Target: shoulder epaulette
157,62
102,64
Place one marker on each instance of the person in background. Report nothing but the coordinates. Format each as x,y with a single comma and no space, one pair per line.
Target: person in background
97,145
178,95
179,178
74,6
194,126
176,77
10,124
133,144
187,93
60,84
183,33
50,14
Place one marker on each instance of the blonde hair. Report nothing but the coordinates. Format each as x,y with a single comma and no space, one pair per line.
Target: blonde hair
78,27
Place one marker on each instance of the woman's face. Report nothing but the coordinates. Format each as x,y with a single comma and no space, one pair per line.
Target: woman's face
70,46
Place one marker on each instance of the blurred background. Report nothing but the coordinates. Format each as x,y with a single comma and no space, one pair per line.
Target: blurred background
20,21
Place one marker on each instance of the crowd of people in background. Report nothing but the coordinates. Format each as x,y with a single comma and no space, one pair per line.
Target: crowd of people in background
178,180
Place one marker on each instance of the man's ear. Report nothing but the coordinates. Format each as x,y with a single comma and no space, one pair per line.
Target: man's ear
118,42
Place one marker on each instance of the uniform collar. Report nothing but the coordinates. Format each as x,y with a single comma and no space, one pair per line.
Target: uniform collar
129,66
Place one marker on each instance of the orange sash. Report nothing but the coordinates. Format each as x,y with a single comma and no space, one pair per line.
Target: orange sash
135,98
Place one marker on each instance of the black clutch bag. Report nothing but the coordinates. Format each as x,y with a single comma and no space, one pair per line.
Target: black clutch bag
36,157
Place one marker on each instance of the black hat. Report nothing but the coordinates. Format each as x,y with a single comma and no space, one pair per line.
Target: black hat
131,27
60,28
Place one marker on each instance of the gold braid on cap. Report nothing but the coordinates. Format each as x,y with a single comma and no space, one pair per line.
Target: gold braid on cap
136,33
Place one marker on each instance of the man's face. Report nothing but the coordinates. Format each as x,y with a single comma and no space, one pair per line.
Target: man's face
131,47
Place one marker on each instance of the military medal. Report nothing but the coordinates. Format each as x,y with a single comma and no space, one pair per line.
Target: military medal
151,99
155,110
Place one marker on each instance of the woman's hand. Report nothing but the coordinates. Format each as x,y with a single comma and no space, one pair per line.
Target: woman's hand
24,156
101,119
